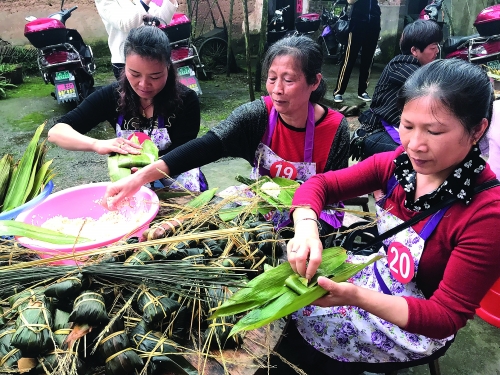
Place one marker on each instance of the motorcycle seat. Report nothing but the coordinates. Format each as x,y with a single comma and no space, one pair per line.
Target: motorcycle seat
453,42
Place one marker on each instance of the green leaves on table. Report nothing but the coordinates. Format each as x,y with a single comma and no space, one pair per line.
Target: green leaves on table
279,291
16,228
119,165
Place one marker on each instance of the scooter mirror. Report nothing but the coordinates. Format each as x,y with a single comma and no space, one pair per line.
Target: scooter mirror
30,18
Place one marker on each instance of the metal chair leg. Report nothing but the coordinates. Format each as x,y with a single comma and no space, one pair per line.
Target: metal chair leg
434,367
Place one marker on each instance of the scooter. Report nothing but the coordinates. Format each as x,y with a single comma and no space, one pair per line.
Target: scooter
305,24
185,57
478,48
332,48
276,27
64,59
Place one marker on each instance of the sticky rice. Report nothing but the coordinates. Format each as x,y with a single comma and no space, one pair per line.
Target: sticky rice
110,224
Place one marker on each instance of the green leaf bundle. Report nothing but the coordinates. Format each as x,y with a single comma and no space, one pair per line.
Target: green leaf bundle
89,308
33,332
119,165
66,287
9,355
162,352
155,306
115,347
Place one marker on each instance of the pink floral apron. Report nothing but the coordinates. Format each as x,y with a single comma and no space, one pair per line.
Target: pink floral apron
351,334
266,160
192,180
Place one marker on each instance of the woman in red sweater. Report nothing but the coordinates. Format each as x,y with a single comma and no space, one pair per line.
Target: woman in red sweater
406,309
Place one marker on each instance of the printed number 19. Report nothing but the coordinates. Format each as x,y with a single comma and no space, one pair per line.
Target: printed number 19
287,171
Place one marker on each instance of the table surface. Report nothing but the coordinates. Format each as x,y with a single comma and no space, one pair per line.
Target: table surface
250,359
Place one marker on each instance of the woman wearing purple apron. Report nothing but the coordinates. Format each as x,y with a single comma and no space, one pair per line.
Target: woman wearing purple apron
147,99
269,163
287,134
405,309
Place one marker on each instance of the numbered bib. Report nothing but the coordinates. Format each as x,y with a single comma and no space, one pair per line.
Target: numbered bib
283,169
400,262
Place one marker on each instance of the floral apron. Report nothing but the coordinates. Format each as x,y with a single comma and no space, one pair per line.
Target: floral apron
351,334
265,158
192,180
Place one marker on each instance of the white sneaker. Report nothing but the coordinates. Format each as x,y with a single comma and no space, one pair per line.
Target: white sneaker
338,98
364,96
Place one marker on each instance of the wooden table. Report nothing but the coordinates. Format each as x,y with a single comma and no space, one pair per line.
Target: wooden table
250,359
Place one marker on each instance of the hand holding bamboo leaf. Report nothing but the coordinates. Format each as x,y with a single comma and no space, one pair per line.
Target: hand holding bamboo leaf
305,248
277,293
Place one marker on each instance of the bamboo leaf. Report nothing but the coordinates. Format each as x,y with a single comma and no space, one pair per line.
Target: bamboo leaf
286,305
271,284
22,174
16,228
39,179
228,214
202,199
262,316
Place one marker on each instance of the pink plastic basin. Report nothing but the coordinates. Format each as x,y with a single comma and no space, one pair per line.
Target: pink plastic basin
79,202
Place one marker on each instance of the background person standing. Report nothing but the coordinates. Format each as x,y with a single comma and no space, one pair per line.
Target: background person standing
121,16
364,31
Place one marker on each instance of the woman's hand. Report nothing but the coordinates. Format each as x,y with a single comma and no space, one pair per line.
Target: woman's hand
128,186
119,190
117,145
304,250
339,294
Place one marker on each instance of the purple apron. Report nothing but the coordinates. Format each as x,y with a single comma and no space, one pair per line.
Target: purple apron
392,130
265,158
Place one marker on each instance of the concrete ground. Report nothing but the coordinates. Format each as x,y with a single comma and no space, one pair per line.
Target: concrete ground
476,351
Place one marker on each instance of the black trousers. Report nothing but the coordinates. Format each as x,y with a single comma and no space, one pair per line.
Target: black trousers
297,351
363,36
378,142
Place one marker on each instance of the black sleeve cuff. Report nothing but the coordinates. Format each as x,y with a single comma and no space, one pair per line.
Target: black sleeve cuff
196,153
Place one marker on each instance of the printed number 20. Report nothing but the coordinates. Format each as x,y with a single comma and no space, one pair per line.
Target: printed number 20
401,262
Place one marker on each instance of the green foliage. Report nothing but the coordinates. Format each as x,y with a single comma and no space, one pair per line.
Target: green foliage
7,68
26,56
3,86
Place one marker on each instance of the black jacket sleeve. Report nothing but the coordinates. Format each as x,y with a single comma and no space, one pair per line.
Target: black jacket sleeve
237,136
338,158
98,107
184,124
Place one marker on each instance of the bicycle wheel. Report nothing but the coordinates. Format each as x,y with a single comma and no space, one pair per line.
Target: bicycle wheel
213,55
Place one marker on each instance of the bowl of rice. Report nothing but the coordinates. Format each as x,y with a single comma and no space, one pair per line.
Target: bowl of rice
77,211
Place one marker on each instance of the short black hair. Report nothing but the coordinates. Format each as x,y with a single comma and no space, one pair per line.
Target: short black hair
461,87
307,53
420,34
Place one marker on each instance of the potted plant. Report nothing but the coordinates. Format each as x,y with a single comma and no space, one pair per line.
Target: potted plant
13,73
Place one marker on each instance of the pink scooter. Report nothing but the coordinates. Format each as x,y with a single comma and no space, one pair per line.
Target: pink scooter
478,48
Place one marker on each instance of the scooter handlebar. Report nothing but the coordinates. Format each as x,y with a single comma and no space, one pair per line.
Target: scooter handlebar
72,9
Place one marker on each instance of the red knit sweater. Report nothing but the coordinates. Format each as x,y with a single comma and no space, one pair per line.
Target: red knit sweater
461,259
